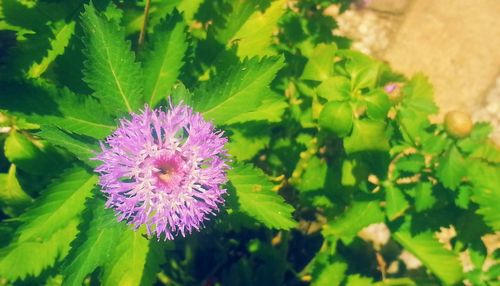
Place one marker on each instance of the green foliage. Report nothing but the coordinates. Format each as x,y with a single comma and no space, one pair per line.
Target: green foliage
321,149
256,198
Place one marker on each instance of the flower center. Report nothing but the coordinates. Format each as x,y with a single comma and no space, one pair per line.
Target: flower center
169,171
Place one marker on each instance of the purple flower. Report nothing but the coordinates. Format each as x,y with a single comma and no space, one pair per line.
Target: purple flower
164,170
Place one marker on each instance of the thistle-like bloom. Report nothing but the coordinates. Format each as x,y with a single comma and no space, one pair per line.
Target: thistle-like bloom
164,170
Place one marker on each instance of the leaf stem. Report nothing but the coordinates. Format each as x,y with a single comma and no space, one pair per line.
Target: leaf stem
144,23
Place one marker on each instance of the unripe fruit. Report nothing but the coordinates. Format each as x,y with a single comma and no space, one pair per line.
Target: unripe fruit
458,124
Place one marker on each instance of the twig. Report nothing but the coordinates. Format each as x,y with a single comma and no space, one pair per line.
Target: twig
144,23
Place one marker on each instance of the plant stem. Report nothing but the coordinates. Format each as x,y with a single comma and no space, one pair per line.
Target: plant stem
144,23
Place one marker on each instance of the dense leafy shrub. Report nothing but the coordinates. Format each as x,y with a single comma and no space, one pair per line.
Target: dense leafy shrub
324,142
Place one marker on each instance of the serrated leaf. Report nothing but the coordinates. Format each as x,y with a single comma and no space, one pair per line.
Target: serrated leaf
364,71
256,199
431,253
27,156
247,140
62,34
233,21
336,88
127,263
61,202
110,69
235,93
319,67
45,104
487,151
189,8
11,192
396,203
358,280
367,135
424,198
82,149
314,176
412,163
95,243
254,38
331,275
486,191
164,59
451,168
355,218
476,138
29,258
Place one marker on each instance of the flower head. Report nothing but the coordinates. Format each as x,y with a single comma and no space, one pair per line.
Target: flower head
164,170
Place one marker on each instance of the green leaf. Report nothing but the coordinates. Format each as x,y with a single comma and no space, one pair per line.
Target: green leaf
486,191
336,88
314,176
364,71
28,258
255,37
337,117
412,163
431,253
367,135
233,21
424,199
247,140
354,219
45,104
235,93
29,155
164,59
377,105
60,203
11,192
487,151
126,265
62,34
189,8
82,149
396,203
256,199
451,168
94,245
319,67
358,280
111,70
331,275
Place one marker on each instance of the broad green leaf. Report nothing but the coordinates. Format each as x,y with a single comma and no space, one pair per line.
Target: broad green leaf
256,199
127,263
110,69
367,135
271,110
431,253
30,155
377,105
62,34
396,203
358,280
29,258
45,104
80,147
11,192
364,71
60,203
411,163
424,199
314,175
355,218
233,21
337,117
336,88
247,140
189,8
254,38
235,93
331,275
486,191
319,67
488,151
95,244
164,59
451,168
417,104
